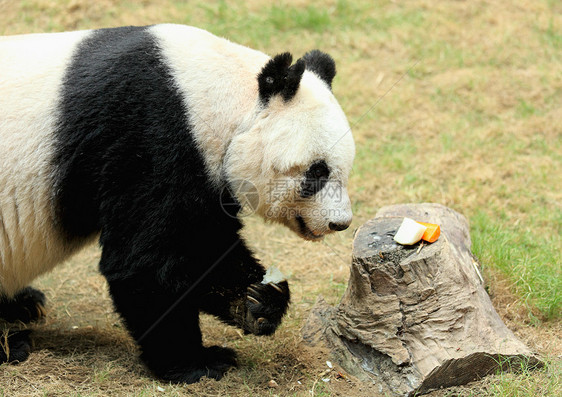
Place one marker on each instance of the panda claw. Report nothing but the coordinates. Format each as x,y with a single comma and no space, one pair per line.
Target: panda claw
276,287
252,290
253,300
40,311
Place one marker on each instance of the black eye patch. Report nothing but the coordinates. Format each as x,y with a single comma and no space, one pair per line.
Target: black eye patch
315,178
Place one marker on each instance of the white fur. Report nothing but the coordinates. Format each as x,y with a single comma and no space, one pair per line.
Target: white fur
218,80
31,71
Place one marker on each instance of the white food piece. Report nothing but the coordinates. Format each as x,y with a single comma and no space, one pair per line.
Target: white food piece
410,232
273,275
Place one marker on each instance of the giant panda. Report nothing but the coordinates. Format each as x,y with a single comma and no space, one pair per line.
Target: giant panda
136,137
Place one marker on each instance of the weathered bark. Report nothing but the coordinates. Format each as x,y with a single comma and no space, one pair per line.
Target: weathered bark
414,319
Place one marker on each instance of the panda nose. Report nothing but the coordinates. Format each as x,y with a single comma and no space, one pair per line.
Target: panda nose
338,227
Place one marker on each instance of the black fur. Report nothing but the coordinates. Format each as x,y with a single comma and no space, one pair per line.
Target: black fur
26,306
315,178
279,77
322,64
15,346
127,165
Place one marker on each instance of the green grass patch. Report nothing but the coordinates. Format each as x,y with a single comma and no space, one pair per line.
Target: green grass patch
285,18
525,109
527,382
521,380
551,35
392,155
532,262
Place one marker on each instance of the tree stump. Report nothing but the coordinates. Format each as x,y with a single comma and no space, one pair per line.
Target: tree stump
415,318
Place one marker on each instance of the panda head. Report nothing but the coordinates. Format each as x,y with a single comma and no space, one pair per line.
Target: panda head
296,150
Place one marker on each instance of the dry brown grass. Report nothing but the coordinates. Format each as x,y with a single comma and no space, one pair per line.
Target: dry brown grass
475,125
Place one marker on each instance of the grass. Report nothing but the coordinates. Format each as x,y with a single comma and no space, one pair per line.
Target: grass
452,102
519,381
284,18
532,262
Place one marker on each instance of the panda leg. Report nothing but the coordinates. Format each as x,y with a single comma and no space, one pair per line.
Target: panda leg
26,306
238,296
166,327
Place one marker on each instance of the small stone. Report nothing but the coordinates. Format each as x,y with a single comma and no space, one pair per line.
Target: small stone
272,384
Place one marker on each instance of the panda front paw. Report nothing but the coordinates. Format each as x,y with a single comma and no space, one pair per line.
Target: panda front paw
263,307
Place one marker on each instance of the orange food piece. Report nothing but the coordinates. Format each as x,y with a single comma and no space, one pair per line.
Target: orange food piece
432,232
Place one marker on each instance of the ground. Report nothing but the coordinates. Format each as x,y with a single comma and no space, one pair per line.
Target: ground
455,102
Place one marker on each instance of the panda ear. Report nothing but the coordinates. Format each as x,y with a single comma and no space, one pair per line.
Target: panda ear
321,64
279,77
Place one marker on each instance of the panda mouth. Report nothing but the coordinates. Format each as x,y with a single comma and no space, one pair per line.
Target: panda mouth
305,231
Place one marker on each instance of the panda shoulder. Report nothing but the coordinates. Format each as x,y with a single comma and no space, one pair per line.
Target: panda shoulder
169,33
